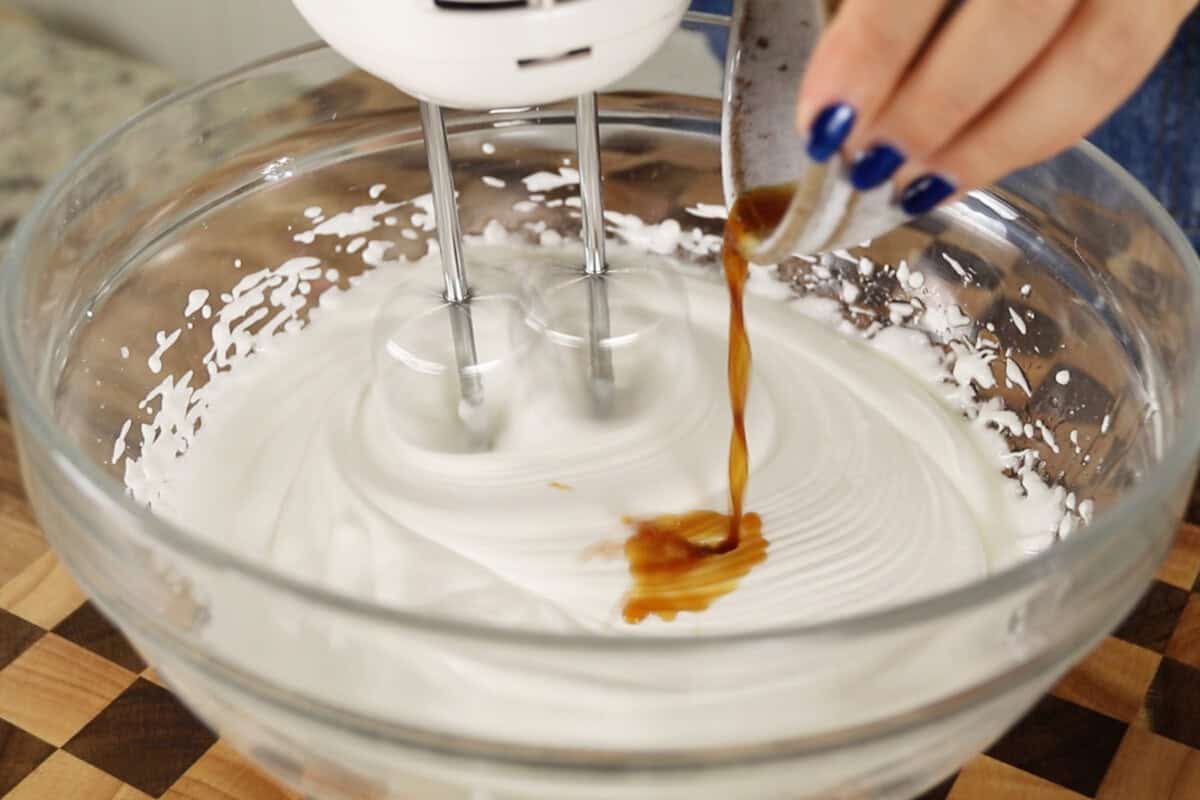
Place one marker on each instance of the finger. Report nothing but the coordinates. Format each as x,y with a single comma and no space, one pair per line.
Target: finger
861,56
982,50
1103,54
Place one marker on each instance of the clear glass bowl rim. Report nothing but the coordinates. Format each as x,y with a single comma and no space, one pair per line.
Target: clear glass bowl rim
1178,458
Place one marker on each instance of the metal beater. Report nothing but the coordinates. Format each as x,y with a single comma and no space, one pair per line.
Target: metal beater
479,54
454,268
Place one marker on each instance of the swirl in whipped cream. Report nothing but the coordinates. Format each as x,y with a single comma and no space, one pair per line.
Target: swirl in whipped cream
874,487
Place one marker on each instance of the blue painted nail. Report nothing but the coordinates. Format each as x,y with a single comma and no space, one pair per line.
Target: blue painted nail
924,193
829,130
874,166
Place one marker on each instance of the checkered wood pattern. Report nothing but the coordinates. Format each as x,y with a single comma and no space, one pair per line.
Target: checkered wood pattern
82,717
1125,723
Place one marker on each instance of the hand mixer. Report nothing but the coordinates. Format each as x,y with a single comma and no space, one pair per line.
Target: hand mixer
485,54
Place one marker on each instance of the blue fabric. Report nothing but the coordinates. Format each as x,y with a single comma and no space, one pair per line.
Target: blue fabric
713,6
718,40
1155,135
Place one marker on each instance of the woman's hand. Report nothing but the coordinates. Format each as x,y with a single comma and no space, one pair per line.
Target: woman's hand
947,103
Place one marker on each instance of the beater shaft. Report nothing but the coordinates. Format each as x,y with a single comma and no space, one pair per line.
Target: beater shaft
445,204
595,264
449,235
587,143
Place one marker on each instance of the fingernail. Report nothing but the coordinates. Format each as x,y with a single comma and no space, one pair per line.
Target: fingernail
874,166
924,193
829,130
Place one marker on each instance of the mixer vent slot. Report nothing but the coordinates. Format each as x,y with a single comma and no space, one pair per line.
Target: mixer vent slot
491,5
578,52
478,5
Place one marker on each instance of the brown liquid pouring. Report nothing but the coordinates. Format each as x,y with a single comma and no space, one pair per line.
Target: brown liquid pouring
683,562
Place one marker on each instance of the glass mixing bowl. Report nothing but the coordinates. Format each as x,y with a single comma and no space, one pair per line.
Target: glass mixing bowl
878,704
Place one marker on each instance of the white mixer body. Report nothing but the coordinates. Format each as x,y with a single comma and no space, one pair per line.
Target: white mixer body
495,53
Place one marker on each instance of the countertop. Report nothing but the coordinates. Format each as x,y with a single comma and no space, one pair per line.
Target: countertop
79,709
57,96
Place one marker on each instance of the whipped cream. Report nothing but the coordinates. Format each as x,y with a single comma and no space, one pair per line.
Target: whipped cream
873,487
